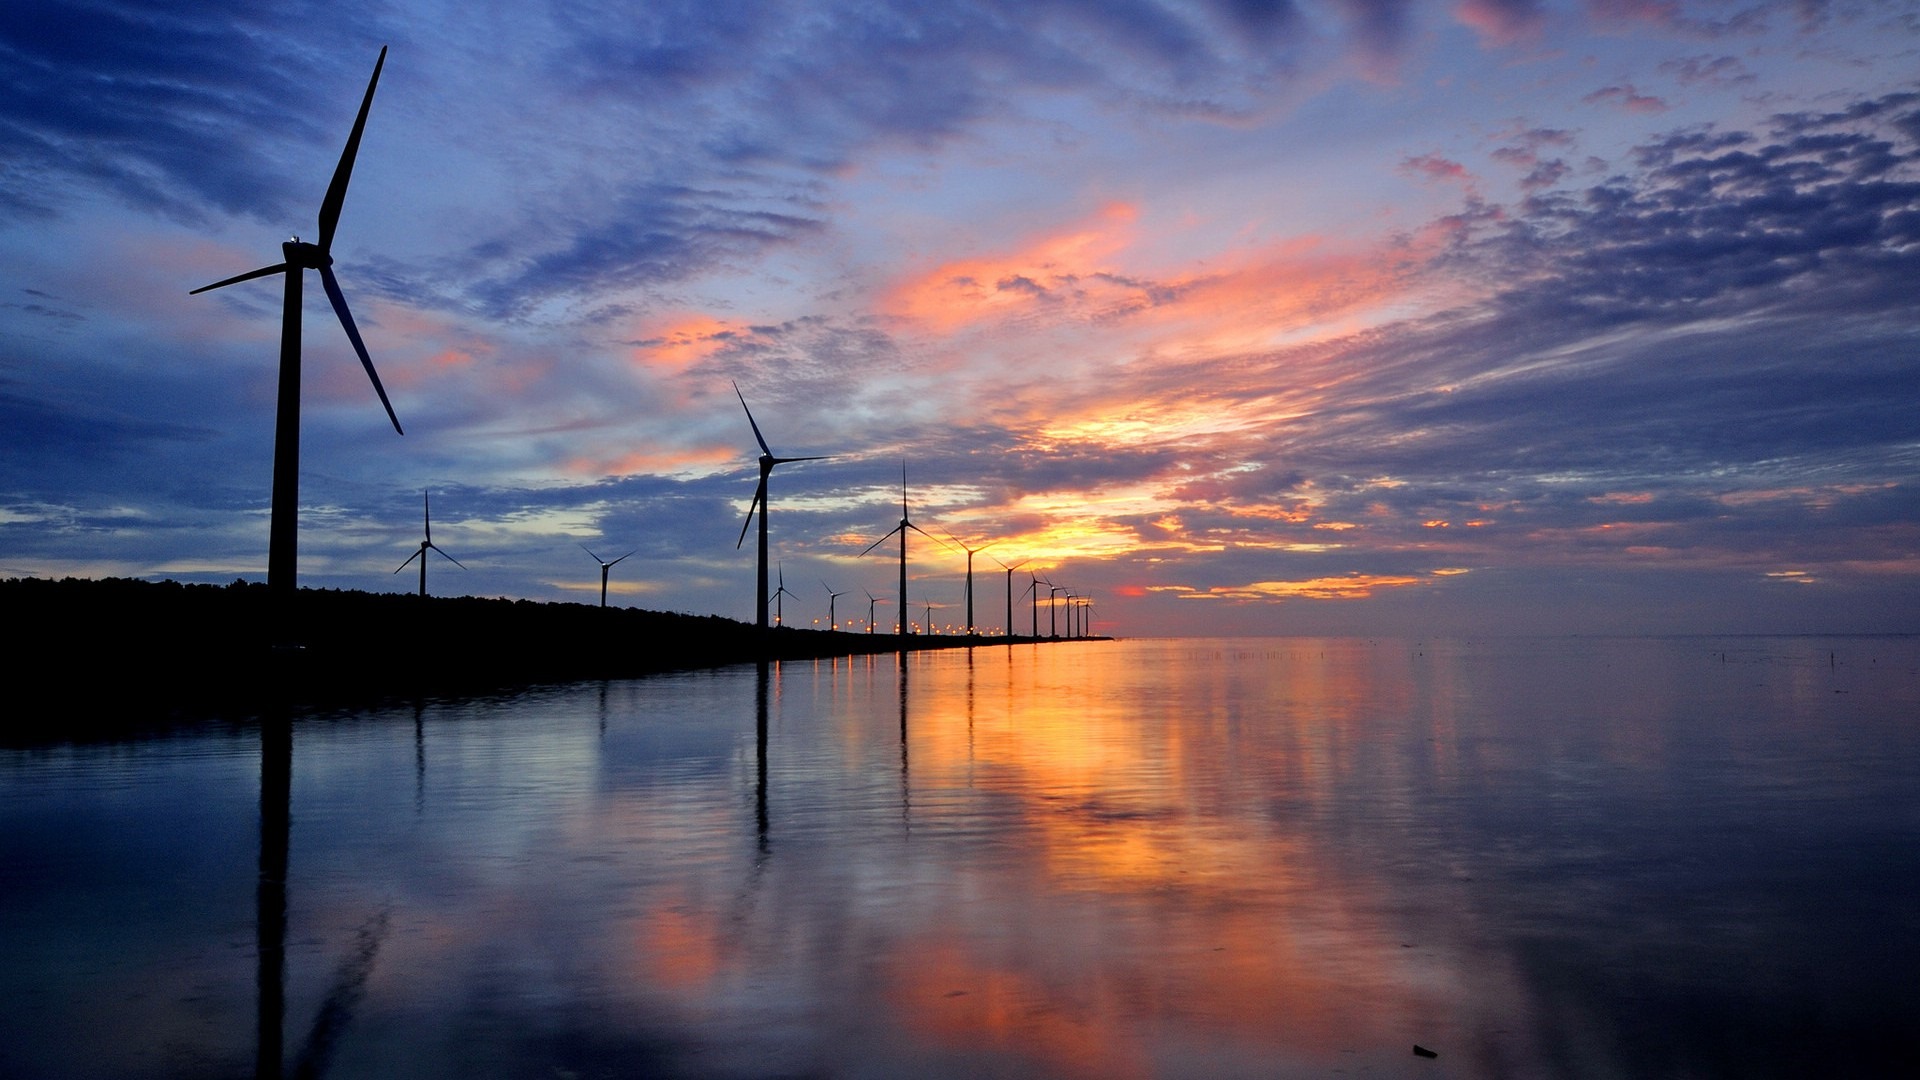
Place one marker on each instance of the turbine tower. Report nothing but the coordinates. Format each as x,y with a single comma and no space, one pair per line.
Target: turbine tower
971,551
297,258
426,518
831,597
1009,570
905,524
779,608
604,567
767,462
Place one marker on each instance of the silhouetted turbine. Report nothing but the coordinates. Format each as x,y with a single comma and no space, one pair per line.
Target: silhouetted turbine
604,567
831,597
971,551
426,517
905,524
778,607
871,601
767,462
298,258
1009,570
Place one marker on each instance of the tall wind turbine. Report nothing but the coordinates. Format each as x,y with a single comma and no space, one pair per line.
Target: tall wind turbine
604,567
767,462
831,597
871,601
971,551
426,518
1009,570
905,524
297,258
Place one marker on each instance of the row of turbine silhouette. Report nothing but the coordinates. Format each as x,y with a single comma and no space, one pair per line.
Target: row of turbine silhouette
297,257
767,603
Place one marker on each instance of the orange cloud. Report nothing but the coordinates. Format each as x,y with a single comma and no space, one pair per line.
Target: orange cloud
680,341
652,460
966,290
1350,587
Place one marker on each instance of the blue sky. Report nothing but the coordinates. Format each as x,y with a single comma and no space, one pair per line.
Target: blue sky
1238,317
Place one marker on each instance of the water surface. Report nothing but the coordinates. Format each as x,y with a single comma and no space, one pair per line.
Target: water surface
1260,858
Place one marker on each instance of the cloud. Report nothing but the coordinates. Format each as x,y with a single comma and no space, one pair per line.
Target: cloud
1626,97
1503,22
150,102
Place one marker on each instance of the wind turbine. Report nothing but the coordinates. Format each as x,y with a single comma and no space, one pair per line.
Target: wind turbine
297,258
779,609
871,601
1009,570
426,517
604,567
905,524
767,462
831,597
971,551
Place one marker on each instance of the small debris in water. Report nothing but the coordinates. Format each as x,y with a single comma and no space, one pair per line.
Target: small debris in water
1421,1051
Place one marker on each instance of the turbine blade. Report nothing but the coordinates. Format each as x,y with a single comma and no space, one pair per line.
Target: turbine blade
353,335
410,559
448,557
929,536
616,562
788,460
756,427
882,540
276,268
426,515
337,190
759,495
589,551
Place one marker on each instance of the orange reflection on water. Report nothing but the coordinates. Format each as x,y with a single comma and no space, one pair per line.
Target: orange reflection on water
1129,899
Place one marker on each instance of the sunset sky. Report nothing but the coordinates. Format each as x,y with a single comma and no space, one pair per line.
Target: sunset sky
1304,316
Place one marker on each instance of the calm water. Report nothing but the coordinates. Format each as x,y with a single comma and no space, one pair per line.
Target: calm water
1264,858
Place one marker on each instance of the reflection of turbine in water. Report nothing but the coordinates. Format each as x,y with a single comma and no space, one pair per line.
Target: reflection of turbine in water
270,924
426,517
297,259
906,794
604,567
767,462
760,690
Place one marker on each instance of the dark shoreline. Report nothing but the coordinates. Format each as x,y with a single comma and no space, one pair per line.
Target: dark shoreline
99,658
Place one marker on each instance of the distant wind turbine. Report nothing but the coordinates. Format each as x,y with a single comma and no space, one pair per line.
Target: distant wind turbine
426,518
831,597
905,524
604,567
971,552
778,607
297,258
871,601
767,462
1009,570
